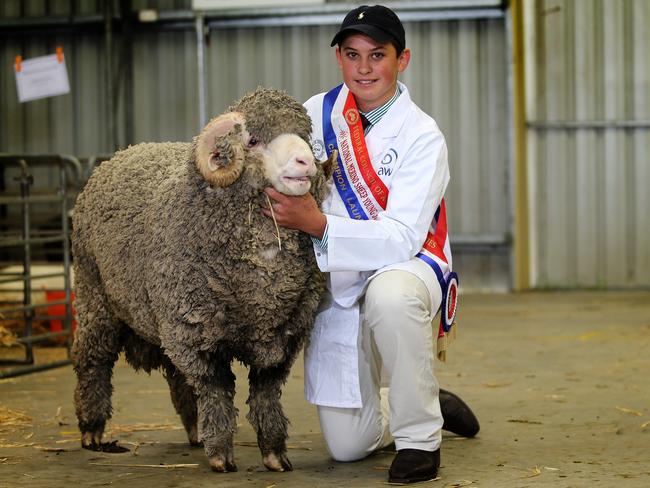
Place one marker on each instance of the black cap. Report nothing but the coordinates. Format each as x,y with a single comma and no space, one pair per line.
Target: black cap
377,22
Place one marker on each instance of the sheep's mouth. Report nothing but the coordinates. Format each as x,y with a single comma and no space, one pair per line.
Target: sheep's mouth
297,179
296,185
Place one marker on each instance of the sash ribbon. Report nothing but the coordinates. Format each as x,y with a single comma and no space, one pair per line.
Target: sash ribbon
365,195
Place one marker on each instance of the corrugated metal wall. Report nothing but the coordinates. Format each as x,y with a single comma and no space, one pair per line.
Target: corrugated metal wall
164,83
458,73
588,74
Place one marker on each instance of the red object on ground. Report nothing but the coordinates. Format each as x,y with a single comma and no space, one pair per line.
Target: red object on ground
56,325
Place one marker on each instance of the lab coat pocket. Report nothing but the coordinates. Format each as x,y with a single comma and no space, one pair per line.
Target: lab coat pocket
331,362
339,329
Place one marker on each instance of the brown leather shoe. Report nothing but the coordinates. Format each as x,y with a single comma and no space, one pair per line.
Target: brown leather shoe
458,417
411,465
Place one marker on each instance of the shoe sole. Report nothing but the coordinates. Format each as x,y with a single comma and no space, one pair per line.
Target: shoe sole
401,481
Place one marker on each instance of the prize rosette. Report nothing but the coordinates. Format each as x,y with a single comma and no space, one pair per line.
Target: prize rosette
450,302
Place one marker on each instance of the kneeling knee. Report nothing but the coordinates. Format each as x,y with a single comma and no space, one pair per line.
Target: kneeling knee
348,452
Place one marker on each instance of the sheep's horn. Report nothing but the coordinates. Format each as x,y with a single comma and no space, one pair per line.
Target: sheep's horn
219,149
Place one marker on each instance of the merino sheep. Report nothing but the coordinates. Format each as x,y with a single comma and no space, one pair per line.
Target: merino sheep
175,265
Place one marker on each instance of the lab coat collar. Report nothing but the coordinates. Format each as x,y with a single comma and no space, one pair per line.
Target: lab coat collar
391,123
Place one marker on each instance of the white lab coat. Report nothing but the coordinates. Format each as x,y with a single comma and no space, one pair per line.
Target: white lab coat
409,154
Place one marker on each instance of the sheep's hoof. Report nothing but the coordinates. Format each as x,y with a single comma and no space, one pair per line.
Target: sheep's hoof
89,439
221,465
273,462
110,447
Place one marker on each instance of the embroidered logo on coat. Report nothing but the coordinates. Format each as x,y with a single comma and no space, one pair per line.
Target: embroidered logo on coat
389,158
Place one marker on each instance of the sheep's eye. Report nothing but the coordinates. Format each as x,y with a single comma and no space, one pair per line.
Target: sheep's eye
252,142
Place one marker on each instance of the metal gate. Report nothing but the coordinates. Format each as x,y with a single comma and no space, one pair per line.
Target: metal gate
24,237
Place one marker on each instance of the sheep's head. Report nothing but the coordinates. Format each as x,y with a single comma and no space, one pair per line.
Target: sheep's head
266,128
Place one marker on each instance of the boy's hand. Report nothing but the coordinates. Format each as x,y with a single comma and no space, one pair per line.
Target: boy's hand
301,213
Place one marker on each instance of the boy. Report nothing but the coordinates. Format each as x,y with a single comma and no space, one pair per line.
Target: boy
381,237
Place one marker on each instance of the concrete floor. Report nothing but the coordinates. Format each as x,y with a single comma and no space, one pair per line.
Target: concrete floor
559,382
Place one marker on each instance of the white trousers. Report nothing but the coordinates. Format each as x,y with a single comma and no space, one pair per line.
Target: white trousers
397,344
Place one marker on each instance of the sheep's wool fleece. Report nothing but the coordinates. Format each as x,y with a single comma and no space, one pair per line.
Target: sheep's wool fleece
265,114
181,262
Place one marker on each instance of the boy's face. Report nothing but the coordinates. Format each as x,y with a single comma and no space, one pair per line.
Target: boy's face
370,69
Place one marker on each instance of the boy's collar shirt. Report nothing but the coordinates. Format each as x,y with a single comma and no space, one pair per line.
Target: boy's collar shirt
374,116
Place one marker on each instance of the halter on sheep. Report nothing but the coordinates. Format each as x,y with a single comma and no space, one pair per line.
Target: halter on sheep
169,269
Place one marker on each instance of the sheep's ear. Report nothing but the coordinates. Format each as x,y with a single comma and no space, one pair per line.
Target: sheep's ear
220,150
329,164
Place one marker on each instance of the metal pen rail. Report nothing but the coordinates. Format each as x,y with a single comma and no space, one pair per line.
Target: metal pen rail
27,310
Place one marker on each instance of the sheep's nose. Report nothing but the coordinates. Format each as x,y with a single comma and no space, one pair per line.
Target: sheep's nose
303,156
301,160
306,161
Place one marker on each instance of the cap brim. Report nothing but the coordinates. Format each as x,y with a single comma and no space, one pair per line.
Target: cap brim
369,30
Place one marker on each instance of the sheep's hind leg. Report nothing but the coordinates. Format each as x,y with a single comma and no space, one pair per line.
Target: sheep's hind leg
94,352
184,401
266,416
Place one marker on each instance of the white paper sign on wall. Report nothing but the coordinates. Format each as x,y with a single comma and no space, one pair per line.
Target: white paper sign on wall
41,77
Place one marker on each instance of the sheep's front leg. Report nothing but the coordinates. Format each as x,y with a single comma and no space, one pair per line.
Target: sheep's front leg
217,417
266,416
